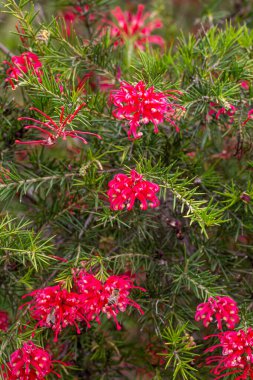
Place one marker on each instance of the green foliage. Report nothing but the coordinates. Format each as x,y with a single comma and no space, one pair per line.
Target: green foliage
197,244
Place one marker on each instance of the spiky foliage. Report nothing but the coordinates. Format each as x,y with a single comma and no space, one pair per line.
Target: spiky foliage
56,216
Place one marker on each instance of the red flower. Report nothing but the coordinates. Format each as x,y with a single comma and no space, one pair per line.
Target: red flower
110,297
4,320
237,355
123,191
245,84
21,64
52,130
76,13
222,308
250,117
56,308
139,106
29,363
230,111
134,26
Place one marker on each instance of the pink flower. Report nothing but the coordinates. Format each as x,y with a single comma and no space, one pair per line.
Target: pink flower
222,308
135,27
56,308
236,357
29,363
139,106
21,64
250,117
245,84
54,131
123,191
4,320
217,111
74,14
110,297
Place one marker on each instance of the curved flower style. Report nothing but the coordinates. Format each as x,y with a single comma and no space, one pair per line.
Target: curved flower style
29,363
135,26
56,308
215,110
4,320
54,131
237,355
20,65
123,191
140,105
222,308
110,297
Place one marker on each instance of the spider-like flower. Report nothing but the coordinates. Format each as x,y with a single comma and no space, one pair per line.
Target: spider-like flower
56,308
4,320
110,297
223,309
249,117
135,27
236,357
140,105
20,65
29,363
124,191
54,131
218,111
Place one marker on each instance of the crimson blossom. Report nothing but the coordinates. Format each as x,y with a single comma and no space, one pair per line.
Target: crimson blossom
56,308
110,297
237,355
218,111
140,105
54,131
222,308
29,363
124,191
20,65
135,27
4,320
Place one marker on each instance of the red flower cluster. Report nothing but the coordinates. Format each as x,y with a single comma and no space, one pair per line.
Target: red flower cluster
56,308
140,105
4,320
224,309
237,355
123,191
217,111
135,27
21,64
109,298
76,13
29,363
54,131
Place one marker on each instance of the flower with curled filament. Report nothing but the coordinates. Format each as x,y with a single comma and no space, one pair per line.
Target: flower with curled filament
54,131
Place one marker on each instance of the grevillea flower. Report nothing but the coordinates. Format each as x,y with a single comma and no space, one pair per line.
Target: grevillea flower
56,308
4,320
21,64
245,84
140,105
110,297
223,309
124,191
250,117
236,357
217,111
76,13
29,363
135,27
54,131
